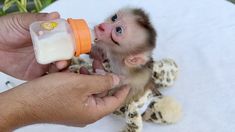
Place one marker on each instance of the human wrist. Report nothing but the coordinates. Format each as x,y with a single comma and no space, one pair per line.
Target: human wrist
13,112
7,115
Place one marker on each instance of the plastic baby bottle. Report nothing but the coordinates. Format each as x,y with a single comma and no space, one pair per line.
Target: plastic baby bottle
60,39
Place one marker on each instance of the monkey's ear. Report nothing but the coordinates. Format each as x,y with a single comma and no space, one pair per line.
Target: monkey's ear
136,60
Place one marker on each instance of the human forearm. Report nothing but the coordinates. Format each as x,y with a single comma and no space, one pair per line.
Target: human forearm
13,112
5,115
61,98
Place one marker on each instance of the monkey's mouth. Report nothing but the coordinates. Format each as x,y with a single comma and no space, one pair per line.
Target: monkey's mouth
99,30
96,34
96,38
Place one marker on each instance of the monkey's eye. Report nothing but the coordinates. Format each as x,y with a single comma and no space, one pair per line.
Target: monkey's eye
114,18
119,30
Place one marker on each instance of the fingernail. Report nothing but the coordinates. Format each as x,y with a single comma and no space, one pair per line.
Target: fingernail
116,80
53,15
100,71
127,87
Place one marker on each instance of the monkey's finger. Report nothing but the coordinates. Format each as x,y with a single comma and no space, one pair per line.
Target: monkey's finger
98,68
96,64
83,70
100,83
109,104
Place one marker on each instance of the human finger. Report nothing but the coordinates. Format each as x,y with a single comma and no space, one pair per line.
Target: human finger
109,104
26,19
61,64
99,83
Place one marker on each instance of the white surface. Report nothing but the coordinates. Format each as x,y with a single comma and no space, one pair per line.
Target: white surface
199,35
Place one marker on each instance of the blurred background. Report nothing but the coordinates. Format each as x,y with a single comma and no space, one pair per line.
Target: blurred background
198,35
9,6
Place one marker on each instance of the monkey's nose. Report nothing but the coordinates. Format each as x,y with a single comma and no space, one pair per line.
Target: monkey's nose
101,27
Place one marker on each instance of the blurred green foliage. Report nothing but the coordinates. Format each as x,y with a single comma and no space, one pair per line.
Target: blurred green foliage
8,6
233,1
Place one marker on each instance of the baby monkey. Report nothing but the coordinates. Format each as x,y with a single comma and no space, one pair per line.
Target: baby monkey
127,39
125,42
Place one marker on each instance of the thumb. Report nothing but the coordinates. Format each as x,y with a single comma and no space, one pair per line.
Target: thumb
100,83
27,18
111,103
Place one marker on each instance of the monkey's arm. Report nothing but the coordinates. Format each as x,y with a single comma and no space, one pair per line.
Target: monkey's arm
98,53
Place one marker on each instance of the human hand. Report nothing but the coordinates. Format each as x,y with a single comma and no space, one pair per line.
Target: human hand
16,50
62,98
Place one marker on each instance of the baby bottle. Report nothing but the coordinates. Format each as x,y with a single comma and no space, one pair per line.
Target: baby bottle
60,39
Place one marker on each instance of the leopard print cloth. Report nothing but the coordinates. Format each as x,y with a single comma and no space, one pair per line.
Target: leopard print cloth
162,109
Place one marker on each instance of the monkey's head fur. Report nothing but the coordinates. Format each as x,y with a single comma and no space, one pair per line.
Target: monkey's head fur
128,34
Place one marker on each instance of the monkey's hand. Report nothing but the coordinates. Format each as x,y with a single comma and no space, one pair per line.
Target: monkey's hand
164,72
98,53
78,63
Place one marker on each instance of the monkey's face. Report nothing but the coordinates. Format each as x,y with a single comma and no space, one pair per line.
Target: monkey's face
120,33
